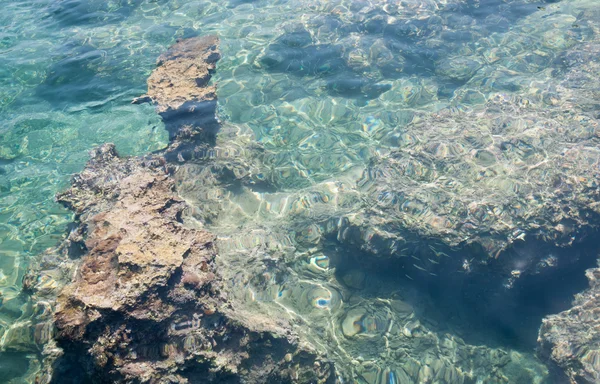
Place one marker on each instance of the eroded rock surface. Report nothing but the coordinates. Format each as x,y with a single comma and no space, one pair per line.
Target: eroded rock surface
179,86
147,304
571,339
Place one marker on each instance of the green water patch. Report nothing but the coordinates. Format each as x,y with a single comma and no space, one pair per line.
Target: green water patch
375,120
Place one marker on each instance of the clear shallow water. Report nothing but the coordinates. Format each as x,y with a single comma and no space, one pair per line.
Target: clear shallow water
326,88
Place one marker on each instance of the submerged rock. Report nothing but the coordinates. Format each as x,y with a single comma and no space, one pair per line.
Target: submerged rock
145,302
180,89
443,182
570,340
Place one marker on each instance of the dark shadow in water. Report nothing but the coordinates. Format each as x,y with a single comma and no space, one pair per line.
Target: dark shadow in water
192,114
479,305
396,48
67,13
318,60
356,87
512,316
294,53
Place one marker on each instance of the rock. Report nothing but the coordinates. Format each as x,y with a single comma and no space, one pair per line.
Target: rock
570,340
351,323
136,247
179,87
141,298
354,278
147,300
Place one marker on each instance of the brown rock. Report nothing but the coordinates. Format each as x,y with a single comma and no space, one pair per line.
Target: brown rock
146,302
179,87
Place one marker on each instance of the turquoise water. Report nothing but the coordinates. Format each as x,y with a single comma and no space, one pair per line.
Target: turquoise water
327,89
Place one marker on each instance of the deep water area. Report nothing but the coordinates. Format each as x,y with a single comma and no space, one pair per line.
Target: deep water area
411,184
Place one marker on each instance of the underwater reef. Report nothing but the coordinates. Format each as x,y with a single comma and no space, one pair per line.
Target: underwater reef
516,163
143,290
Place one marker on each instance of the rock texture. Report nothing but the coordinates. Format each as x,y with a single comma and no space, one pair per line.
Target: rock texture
570,340
147,303
180,89
140,298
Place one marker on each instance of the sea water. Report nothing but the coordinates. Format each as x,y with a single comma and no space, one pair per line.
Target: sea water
327,89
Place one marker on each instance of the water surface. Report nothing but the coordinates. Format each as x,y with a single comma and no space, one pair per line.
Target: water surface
327,89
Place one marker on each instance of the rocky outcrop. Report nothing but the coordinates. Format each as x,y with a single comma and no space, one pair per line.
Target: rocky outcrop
570,340
135,290
179,87
147,303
